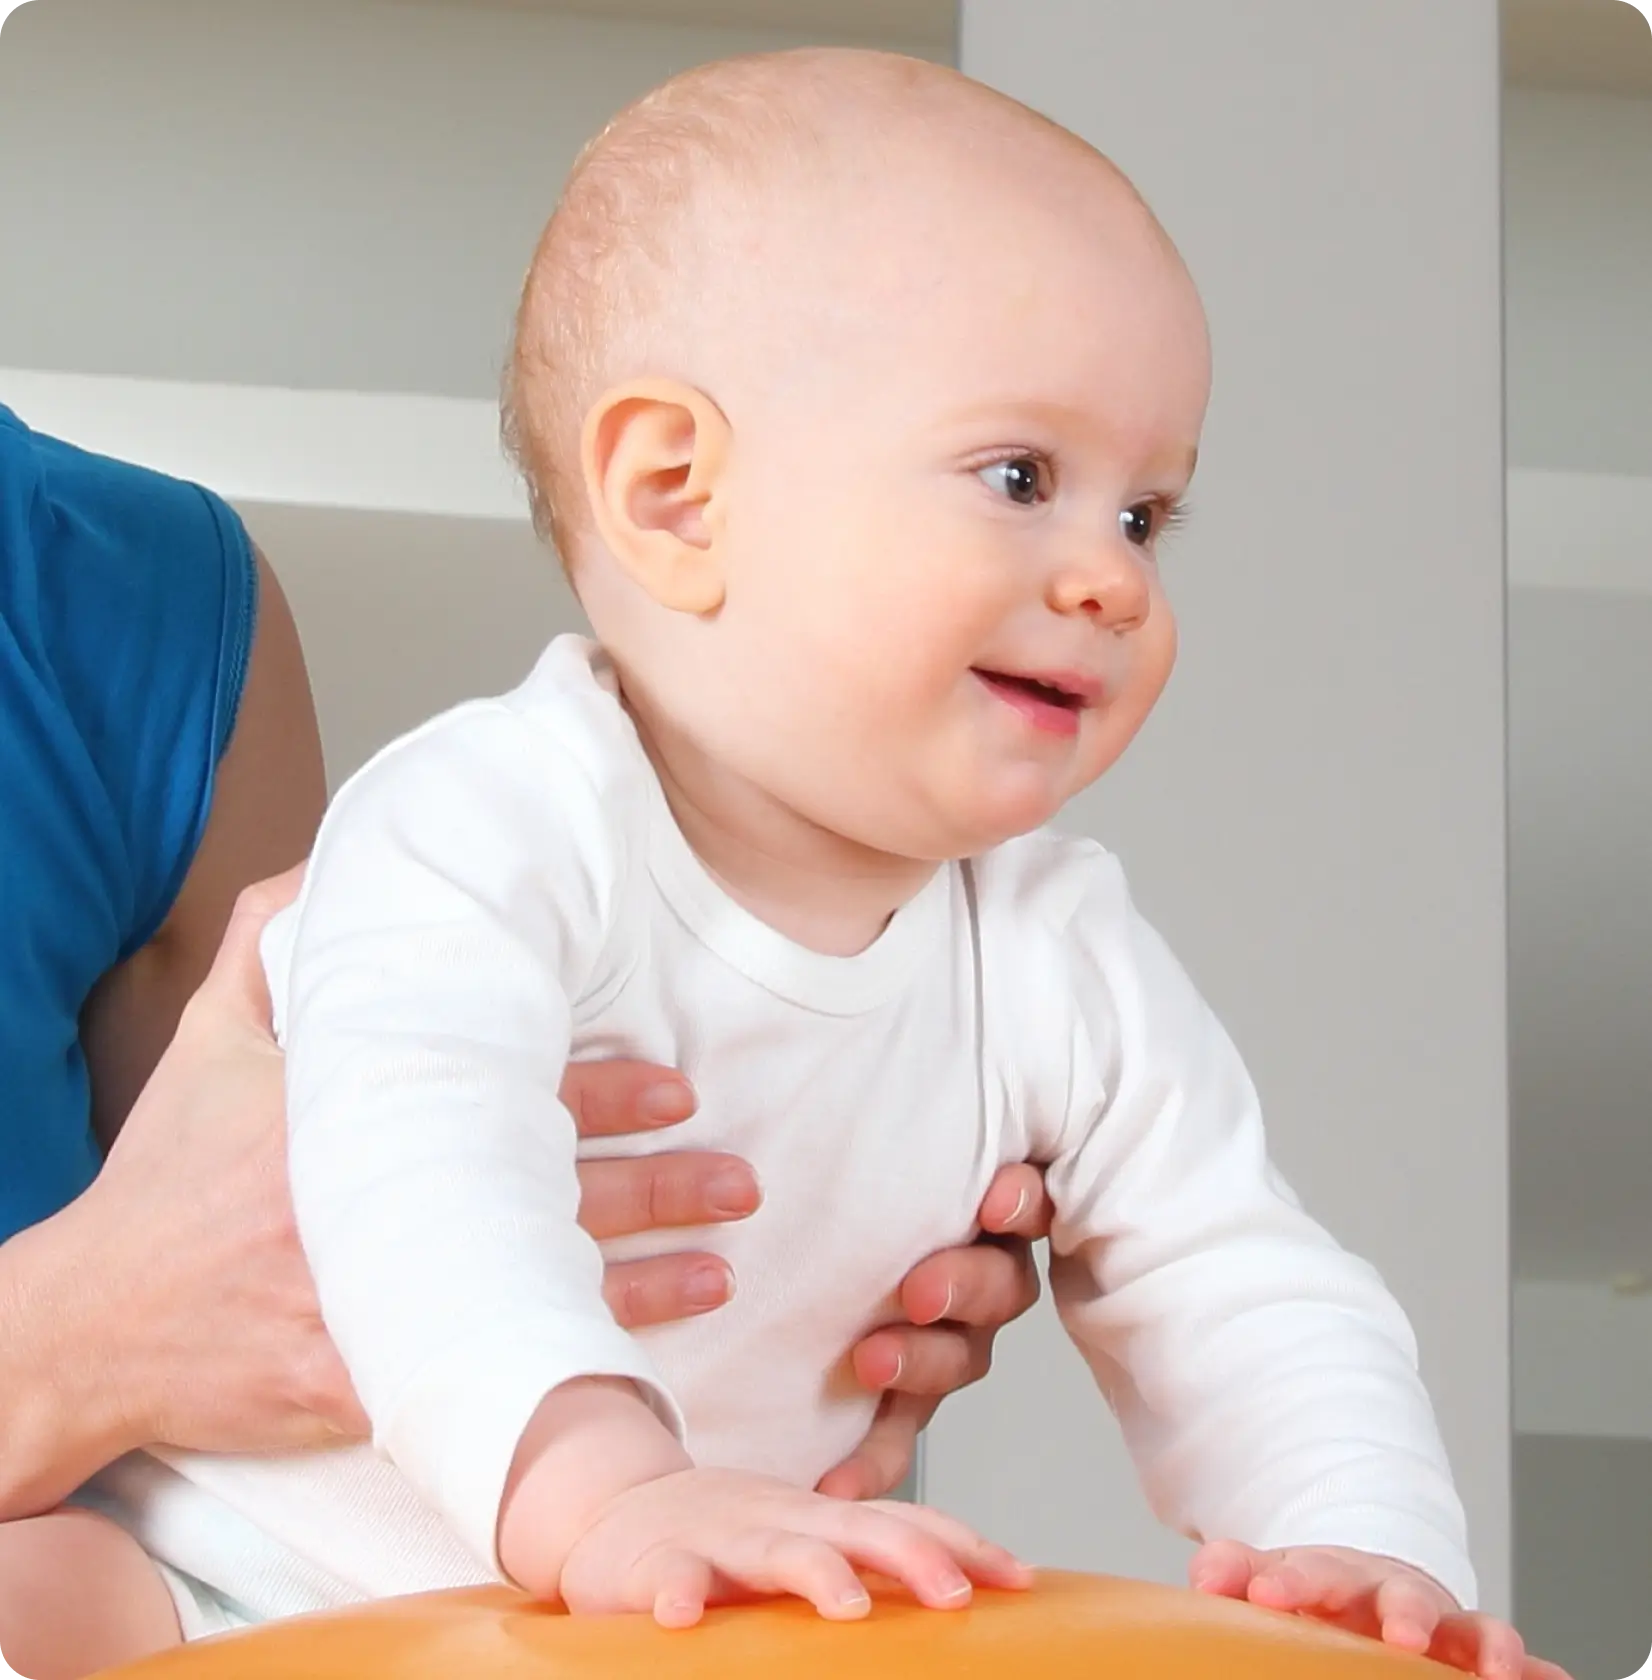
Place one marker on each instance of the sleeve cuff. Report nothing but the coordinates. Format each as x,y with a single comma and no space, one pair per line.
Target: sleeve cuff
455,1428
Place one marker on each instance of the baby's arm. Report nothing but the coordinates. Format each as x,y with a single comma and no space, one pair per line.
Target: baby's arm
1265,1379
455,906
462,896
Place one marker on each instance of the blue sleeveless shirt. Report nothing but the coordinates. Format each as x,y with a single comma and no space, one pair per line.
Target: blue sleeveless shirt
127,602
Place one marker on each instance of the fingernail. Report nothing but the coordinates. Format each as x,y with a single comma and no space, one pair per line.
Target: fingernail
1020,1205
666,1103
956,1592
731,1193
708,1286
946,1305
854,1598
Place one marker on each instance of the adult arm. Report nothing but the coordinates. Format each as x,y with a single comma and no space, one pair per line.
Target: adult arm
267,802
169,1299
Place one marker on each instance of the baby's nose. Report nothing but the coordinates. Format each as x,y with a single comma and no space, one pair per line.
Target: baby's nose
1107,582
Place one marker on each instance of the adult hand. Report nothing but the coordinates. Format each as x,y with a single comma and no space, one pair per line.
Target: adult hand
204,1323
172,1302
957,1302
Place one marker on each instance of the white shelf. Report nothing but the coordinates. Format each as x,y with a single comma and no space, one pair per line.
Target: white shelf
380,452
400,453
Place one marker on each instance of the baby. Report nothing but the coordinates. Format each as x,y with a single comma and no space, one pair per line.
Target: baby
859,400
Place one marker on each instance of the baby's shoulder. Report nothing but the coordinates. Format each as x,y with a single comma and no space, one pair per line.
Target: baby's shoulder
1060,943
556,752
523,809
1040,893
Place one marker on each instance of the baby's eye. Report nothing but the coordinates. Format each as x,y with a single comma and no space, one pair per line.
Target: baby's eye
1140,524
1024,479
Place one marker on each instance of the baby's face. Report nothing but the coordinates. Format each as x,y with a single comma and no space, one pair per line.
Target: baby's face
942,522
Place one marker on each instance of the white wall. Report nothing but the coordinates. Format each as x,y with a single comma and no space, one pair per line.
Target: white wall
296,192
1316,817
452,607
1579,229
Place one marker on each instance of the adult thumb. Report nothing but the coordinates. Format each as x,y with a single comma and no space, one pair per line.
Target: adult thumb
235,983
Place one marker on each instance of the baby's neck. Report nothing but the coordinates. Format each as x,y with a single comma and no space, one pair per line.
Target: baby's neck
824,891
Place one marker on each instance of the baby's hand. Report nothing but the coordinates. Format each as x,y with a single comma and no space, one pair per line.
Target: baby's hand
685,1540
1371,1595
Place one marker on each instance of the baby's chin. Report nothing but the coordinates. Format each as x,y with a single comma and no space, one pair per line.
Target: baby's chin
968,825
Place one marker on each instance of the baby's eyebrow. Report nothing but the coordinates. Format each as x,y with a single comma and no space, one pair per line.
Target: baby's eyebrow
1043,410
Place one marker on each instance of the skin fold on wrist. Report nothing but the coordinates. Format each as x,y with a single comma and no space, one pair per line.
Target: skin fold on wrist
591,1440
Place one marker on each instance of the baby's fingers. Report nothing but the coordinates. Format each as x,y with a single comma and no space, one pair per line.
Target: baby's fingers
1407,1613
1224,1568
770,1560
899,1548
679,1583
1483,1646
1315,1582
984,1562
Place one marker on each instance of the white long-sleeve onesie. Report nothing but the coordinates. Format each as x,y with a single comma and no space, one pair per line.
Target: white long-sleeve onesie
505,888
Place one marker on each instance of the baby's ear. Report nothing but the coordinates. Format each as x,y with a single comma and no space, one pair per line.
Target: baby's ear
653,453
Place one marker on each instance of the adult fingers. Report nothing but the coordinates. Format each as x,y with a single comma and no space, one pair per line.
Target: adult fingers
666,1288
633,1193
934,1361
612,1098
880,1463
1017,1204
987,1284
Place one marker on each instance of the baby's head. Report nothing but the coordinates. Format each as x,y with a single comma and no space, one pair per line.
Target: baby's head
857,398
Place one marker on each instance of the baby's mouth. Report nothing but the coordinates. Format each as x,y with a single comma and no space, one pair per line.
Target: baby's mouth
1051,704
1035,688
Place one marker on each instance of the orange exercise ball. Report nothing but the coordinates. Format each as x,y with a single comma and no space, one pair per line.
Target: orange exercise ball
1066,1627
